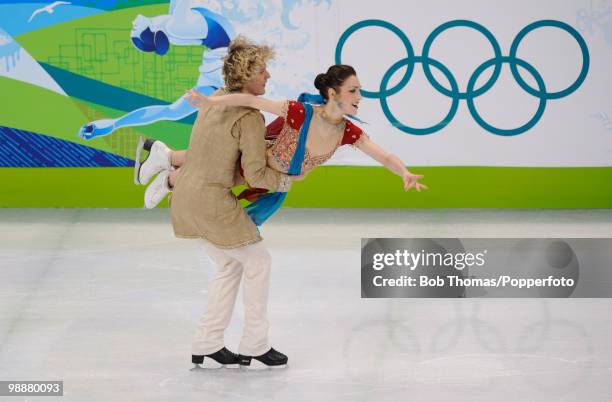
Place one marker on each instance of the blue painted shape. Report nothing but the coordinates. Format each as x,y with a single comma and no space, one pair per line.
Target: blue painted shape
90,90
20,148
9,51
289,6
471,92
99,4
220,31
14,17
231,10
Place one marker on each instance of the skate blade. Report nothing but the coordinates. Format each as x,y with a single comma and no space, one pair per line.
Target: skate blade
211,365
256,365
139,149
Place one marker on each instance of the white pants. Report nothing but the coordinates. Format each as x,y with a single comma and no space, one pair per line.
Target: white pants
254,260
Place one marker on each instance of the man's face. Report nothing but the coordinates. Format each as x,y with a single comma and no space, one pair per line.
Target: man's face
257,85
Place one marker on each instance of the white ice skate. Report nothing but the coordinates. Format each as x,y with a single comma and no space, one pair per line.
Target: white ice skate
157,160
157,190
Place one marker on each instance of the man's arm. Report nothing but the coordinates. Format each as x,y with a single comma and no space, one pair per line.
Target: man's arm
251,131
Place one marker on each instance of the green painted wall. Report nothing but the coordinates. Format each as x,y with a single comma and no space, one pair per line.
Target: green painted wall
335,187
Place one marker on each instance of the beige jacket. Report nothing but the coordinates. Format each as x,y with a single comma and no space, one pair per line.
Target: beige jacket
202,204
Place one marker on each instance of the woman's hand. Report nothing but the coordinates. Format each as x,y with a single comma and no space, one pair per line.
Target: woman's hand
412,180
197,98
391,162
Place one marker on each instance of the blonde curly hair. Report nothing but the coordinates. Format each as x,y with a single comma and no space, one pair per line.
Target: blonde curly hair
244,59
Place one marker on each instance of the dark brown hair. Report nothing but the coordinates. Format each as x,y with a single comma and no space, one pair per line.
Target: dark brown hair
333,78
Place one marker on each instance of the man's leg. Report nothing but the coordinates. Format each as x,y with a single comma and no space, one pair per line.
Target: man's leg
222,293
256,262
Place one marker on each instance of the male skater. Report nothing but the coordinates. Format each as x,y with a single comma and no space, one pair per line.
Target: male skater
202,206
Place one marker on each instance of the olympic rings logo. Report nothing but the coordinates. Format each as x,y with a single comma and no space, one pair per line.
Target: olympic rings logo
471,92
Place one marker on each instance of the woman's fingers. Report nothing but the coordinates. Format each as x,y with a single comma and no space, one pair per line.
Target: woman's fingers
410,182
194,94
195,98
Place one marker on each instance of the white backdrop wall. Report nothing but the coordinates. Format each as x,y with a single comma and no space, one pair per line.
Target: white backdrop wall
573,130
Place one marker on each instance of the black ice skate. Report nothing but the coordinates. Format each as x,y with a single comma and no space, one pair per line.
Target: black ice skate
272,359
222,358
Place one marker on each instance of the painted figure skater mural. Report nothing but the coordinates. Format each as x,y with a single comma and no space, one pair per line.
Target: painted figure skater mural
184,25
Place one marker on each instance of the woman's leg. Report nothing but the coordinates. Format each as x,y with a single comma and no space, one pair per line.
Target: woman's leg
167,164
173,176
177,158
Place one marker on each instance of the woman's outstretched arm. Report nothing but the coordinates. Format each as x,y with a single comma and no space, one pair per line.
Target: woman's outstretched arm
238,99
391,162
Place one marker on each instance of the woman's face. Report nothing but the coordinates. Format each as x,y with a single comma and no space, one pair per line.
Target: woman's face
349,95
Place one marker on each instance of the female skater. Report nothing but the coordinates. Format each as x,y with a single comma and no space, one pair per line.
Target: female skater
324,129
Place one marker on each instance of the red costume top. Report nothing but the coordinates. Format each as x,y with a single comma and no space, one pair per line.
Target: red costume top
282,137
284,133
